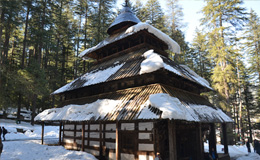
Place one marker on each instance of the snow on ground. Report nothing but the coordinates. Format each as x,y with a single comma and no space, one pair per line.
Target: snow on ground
251,156
19,146
236,152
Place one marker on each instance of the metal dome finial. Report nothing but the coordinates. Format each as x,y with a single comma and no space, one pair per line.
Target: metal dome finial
126,3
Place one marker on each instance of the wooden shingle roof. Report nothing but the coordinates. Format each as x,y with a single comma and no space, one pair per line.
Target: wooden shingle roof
133,100
124,67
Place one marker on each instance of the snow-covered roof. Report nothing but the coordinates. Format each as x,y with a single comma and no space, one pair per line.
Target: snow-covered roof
144,61
154,62
146,102
126,15
173,108
90,78
93,111
158,106
173,46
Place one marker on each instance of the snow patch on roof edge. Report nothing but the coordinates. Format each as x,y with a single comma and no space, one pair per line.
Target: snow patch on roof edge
90,111
173,46
165,106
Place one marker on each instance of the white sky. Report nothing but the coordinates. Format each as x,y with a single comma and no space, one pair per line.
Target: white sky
191,15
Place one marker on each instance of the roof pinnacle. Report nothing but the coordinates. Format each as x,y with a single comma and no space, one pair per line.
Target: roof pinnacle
126,3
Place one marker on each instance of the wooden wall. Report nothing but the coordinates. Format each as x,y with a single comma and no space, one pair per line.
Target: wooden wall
136,139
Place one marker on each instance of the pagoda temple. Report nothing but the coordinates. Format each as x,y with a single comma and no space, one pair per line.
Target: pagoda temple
135,102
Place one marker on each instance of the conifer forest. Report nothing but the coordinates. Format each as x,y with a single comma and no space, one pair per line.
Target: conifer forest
40,41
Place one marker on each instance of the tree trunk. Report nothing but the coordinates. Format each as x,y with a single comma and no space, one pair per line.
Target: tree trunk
240,101
6,43
19,106
63,64
42,30
33,108
248,114
76,59
25,33
99,21
2,18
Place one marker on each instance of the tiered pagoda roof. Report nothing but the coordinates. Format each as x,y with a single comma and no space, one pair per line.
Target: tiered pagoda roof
134,79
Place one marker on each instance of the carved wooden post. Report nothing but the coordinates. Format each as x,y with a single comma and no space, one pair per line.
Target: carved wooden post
60,133
224,131
83,136
172,140
212,138
42,132
117,141
200,149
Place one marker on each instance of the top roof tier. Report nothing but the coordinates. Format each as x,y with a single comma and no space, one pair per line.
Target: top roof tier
125,18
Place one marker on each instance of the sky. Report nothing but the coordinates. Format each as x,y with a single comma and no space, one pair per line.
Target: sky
192,16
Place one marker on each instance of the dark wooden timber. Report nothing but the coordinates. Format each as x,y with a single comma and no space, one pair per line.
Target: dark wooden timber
83,136
212,138
42,132
117,141
224,132
172,140
60,133
199,142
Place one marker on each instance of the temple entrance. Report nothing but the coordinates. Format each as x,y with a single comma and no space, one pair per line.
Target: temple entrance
128,145
186,144
189,143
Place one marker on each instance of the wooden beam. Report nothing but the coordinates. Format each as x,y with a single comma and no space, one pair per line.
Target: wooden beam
63,133
42,132
154,139
172,140
224,132
75,128
88,132
212,138
117,141
200,149
100,141
83,136
60,133
136,128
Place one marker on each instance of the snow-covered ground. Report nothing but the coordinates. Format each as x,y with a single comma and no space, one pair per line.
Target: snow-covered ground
19,146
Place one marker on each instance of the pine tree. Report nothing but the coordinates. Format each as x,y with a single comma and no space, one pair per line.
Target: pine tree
218,15
154,15
174,27
252,46
202,60
102,18
139,11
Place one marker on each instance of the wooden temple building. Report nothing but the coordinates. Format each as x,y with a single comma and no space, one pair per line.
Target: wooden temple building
135,102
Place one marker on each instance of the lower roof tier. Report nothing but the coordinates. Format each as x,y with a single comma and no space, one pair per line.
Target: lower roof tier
155,101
